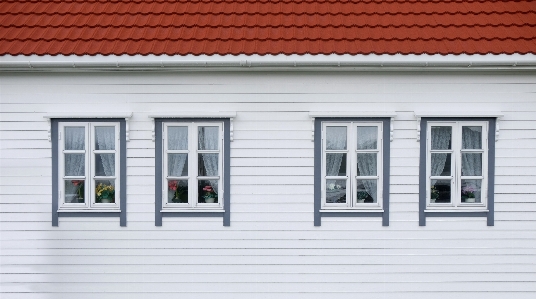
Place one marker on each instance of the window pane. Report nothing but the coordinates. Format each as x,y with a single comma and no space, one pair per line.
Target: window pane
208,164
177,164
335,164
471,191
177,138
367,138
472,137
105,191
75,138
367,164
104,138
75,164
441,138
177,191
335,138
335,191
208,138
104,164
74,191
208,191
471,164
440,191
367,191
441,165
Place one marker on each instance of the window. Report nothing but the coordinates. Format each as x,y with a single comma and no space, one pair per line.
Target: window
89,165
194,172
457,170
352,167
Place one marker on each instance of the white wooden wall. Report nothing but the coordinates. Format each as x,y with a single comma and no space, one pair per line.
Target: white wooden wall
271,250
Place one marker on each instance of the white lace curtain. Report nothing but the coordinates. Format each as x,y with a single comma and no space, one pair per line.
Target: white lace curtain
367,163
471,162
177,139
74,140
441,137
336,139
105,137
208,140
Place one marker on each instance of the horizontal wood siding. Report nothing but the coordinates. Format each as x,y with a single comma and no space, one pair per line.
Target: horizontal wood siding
271,250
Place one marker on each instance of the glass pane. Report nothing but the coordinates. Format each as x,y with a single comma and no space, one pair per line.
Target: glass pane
335,164
177,138
367,191
178,191
472,137
105,191
471,191
440,191
75,138
104,164
335,138
74,191
335,191
441,165
367,138
75,164
471,164
208,164
208,191
367,164
104,138
177,164
441,138
208,138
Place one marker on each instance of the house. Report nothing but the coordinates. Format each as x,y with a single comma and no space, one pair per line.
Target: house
267,149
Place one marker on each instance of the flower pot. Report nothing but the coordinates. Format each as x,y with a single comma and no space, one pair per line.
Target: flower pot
432,200
470,199
360,200
106,200
209,200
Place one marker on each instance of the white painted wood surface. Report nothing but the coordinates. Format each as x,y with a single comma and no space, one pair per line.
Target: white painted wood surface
271,250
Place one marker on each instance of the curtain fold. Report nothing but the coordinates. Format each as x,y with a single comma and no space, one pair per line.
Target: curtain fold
74,140
208,140
367,163
336,139
105,137
176,162
441,137
471,162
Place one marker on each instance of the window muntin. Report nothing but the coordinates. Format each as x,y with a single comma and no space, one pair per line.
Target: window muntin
456,167
192,165
88,165
352,165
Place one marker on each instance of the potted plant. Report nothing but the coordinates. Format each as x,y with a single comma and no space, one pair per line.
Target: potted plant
79,196
434,194
361,196
180,193
105,193
468,193
210,195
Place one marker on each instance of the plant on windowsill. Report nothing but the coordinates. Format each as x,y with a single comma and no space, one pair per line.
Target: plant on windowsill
79,184
468,193
105,193
434,194
361,196
210,195
180,193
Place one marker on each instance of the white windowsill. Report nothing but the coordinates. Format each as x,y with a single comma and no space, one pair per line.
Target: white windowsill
190,210
352,211
89,210
454,210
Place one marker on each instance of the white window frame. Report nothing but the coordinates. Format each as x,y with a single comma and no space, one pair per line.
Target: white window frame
456,167
193,177
89,178
351,165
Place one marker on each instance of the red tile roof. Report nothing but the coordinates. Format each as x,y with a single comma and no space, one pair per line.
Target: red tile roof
90,27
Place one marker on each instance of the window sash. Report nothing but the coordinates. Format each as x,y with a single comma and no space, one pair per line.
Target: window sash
89,177
456,176
351,176
193,177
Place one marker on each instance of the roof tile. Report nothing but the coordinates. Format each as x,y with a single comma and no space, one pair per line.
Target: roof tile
91,27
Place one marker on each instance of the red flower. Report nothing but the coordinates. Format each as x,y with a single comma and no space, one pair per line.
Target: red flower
208,189
76,183
173,185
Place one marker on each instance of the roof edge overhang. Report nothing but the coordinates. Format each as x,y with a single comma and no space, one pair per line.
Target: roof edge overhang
398,62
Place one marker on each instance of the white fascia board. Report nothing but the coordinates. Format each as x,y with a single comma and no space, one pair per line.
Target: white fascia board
194,114
280,62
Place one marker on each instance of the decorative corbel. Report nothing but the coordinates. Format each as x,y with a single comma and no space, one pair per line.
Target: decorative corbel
313,129
127,128
153,135
49,132
231,128
392,129
418,129
497,129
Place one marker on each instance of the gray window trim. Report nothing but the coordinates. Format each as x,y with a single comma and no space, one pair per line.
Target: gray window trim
318,214
489,214
122,214
225,214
